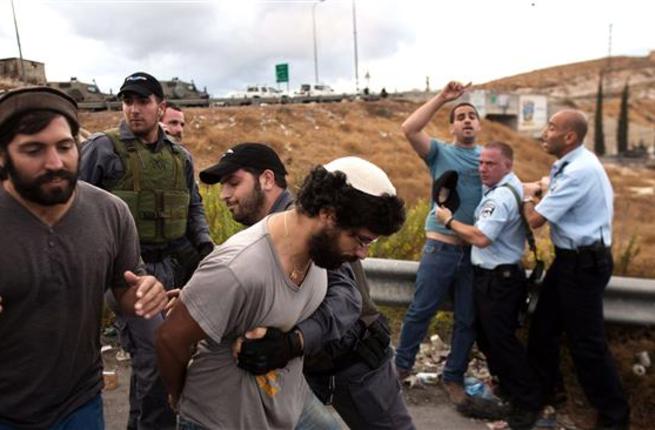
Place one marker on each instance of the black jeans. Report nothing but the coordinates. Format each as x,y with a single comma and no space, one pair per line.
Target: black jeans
499,294
571,301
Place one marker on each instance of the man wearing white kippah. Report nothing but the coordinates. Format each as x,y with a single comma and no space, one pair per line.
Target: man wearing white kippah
269,276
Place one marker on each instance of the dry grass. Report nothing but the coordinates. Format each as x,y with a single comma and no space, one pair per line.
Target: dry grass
308,134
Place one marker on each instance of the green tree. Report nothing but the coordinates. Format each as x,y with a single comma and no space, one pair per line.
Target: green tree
599,136
622,128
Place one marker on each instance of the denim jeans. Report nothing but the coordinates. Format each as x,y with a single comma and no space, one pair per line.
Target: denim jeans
89,416
442,267
316,416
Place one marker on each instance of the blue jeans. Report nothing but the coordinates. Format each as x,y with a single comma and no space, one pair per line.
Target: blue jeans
316,416
89,416
442,267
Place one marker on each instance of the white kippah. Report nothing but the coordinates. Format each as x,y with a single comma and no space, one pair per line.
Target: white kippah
363,175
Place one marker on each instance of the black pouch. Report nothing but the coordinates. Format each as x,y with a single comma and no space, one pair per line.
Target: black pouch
533,285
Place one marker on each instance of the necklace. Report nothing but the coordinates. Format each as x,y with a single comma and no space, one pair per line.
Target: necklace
296,274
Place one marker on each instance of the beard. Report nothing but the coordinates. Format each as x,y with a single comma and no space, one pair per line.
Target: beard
32,189
249,209
324,250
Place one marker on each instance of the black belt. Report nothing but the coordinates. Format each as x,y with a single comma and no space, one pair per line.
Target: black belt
502,270
583,251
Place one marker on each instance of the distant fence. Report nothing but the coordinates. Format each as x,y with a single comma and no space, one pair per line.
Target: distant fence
626,301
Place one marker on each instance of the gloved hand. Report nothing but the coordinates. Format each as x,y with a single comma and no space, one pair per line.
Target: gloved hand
204,249
273,351
372,348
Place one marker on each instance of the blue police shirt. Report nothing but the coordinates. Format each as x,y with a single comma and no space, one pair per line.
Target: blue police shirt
445,156
579,204
498,218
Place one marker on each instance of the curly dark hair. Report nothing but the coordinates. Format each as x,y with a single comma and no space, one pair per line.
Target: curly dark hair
383,215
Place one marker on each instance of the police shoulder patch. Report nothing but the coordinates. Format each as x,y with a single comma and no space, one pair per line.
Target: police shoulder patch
487,209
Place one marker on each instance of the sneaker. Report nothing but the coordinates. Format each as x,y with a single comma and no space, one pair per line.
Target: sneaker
522,419
403,373
455,392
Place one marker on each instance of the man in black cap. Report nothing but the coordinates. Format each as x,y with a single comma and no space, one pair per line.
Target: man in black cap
345,341
64,244
267,275
139,163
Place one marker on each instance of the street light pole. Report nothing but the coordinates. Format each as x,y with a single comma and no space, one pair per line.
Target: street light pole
315,48
355,38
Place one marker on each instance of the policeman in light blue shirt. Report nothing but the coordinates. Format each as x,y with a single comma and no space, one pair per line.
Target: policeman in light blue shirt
498,239
578,207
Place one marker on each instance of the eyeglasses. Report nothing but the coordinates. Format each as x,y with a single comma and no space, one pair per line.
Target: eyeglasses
364,241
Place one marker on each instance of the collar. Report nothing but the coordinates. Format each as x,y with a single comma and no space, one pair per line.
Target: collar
568,158
504,180
126,134
283,202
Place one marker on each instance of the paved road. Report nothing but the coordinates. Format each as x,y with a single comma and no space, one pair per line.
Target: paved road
429,407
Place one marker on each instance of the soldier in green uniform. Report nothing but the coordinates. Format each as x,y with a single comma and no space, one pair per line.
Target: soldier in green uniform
153,174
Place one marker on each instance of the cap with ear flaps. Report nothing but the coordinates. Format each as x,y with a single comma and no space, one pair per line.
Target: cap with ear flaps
363,175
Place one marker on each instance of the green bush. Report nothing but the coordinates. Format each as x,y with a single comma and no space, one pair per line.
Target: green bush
219,219
408,242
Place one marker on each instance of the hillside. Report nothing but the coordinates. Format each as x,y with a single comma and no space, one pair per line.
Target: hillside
305,135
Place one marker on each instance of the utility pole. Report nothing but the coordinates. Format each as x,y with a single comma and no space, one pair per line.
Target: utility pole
608,84
355,38
20,51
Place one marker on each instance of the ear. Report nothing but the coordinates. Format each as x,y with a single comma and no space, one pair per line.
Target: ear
267,180
328,216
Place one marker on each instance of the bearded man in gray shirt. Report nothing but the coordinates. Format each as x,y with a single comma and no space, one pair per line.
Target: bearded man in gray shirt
270,275
64,244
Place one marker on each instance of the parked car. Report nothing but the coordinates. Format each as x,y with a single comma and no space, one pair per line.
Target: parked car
314,90
257,92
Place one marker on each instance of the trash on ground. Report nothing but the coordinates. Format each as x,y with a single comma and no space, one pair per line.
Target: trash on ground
122,355
111,379
106,348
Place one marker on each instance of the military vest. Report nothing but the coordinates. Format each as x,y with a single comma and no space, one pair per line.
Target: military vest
154,187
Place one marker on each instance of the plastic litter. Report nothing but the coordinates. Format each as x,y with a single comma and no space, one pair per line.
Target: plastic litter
639,369
643,358
122,355
476,388
429,378
111,379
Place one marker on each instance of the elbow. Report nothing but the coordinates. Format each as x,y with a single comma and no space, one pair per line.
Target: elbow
481,242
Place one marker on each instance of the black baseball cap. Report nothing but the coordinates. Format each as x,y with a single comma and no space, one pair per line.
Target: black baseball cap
444,190
142,84
253,155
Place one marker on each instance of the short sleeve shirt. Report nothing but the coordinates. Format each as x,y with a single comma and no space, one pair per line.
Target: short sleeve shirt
498,218
444,156
579,203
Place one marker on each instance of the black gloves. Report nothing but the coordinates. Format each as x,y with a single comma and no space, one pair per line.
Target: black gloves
273,351
372,348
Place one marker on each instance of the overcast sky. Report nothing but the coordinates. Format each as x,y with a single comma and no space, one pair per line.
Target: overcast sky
226,45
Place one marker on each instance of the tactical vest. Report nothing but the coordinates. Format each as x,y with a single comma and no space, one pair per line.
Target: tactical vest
154,187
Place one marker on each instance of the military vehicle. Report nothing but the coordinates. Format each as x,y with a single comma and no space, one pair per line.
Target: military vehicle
82,91
176,89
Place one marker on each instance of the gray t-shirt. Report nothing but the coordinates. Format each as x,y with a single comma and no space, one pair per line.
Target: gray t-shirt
240,286
52,281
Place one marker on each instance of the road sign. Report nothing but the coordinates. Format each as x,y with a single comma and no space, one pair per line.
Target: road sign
282,72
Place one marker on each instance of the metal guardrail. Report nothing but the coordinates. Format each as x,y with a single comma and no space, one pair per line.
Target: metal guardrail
236,101
626,301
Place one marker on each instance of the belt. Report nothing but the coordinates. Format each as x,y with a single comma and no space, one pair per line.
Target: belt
582,251
502,270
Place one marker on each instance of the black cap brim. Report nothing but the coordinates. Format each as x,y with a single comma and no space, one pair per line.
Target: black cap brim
137,89
214,174
447,181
